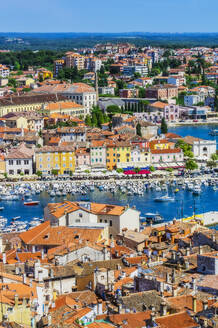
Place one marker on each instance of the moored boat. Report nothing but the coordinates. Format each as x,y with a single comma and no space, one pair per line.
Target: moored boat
164,198
31,203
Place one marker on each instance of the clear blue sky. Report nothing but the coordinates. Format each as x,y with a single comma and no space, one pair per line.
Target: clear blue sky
109,16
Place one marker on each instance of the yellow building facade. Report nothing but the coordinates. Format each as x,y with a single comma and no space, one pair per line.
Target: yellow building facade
117,154
58,158
111,157
17,310
45,74
123,153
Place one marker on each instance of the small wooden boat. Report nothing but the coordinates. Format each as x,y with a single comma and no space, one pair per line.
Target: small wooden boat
32,203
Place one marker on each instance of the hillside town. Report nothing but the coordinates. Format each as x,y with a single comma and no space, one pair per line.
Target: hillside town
116,117
101,120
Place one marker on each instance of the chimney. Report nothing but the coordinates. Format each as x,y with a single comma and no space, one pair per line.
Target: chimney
24,278
42,254
40,276
173,256
186,265
153,316
16,299
194,284
51,273
168,278
174,290
4,258
17,270
205,323
49,320
187,251
100,311
163,308
119,308
194,304
31,282
173,275
200,249
205,305
53,304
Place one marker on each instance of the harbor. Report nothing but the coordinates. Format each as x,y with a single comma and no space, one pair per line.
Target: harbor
170,197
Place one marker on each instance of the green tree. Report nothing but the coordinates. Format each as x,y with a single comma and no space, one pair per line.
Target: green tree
54,172
113,109
214,157
16,66
12,82
88,120
100,118
142,93
163,128
211,164
138,130
191,165
94,120
39,173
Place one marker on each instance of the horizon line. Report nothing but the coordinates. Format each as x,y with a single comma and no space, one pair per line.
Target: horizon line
68,32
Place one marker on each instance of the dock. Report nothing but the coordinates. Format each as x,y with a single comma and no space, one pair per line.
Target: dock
206,219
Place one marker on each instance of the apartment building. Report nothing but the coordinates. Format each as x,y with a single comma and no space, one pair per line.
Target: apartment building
164,92
65,107
98,154
131,70
19,161
75,60
4,71
27,103
58,66
60,158
82,94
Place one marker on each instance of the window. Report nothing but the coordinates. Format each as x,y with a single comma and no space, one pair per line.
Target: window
18,162
111,223
10,162
80,215
26,161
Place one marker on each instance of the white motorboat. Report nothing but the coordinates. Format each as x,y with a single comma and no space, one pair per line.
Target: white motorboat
164,198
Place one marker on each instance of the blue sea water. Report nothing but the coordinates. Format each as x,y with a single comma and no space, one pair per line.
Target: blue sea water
198,131
183,205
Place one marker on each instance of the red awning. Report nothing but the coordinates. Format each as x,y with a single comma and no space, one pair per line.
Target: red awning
129,172
144,172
